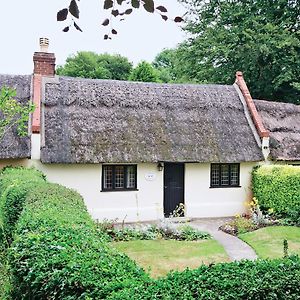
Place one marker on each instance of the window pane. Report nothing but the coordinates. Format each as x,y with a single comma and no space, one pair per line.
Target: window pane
131,177
215,175
119,177
234,174
224,175
107,180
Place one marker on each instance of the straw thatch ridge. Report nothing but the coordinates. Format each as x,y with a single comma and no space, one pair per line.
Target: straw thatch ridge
13,146
283,122
95,121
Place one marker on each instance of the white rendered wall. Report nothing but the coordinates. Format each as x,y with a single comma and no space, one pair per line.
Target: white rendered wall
201,201
147,202
131,206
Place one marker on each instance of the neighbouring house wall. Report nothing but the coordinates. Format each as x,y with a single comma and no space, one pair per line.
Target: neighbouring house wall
201,201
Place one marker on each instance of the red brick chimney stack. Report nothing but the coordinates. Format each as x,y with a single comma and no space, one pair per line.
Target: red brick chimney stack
44,65
44,62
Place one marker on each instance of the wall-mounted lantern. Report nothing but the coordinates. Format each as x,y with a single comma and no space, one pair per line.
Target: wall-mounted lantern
160,166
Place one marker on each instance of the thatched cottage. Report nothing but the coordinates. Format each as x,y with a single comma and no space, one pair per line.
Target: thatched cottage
135,151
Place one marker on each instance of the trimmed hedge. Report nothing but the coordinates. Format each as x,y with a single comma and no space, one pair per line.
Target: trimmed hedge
57,252
262,279
277,188
14,186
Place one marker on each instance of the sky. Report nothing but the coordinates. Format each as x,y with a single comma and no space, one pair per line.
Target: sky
140,37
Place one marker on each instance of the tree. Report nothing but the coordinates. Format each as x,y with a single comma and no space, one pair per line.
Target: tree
13,113
92,65
169,67
144,72
259,37
119,9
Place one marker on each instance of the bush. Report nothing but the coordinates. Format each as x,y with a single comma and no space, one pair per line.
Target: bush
57,252
261,279
14,186
277,188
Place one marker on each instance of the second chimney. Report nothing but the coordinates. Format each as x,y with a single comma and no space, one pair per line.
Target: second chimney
44,62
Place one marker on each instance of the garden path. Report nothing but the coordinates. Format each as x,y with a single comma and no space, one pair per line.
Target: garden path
235,248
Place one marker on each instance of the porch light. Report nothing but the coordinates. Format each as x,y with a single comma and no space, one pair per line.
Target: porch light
160,166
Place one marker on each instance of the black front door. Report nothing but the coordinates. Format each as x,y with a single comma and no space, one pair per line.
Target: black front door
173,187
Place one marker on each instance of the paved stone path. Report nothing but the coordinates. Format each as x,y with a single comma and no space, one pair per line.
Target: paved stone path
235,248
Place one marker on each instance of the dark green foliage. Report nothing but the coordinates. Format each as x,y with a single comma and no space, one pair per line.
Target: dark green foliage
262,279
260,38
57,252
88,64
14,187
278,188
144,72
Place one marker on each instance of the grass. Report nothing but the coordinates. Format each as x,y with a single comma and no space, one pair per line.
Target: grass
268,242
158,257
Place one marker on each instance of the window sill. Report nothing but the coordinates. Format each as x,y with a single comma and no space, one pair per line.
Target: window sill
224,186
119,190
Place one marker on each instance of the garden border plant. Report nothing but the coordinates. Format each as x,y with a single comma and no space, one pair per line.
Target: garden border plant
164,229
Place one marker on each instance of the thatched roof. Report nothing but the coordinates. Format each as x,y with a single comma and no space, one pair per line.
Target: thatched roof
283,122
13,146
94,121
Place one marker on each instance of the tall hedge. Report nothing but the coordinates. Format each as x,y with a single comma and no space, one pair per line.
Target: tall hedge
14,186
57,252
277,188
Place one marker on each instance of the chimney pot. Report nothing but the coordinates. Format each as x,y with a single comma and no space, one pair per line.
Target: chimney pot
44,44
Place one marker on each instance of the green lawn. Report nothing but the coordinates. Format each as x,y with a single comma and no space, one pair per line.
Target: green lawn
160,256
268,242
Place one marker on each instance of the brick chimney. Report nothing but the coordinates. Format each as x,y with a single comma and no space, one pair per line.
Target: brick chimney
44,62
263,133
44,65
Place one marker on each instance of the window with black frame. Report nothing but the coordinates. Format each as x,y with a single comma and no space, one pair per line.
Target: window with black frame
119,177
225,175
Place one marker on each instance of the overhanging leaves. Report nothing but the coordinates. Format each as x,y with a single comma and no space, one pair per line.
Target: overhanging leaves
62,14
149,5
161,8
108,4
77,27
105,22
73,9
135,3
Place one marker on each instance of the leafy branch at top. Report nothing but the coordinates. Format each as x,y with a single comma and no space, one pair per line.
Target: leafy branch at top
13,113
118,9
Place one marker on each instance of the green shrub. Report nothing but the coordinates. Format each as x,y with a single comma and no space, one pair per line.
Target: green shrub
277,188
14,186
57,253
262,279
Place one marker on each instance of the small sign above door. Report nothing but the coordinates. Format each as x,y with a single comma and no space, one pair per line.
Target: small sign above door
150,176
